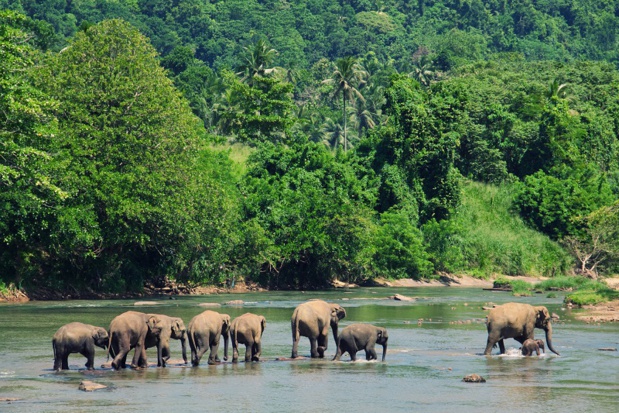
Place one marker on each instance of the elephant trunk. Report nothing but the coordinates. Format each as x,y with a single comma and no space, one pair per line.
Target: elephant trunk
384,350
226,338
334,329
184,346
548,331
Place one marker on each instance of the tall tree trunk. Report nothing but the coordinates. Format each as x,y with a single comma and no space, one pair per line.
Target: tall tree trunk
344,115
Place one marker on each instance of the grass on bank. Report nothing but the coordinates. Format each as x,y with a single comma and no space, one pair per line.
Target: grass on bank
495,240
582,291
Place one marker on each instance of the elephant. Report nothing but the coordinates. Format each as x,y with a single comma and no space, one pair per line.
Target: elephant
131,330
247,329
356,337
530,345
517,321
204,332
171,327
78,338
312,320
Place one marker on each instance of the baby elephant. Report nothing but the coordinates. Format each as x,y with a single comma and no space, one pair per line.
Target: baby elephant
247,329
530,345
77,338
356,337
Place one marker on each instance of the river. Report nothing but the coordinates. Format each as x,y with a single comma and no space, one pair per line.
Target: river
425,364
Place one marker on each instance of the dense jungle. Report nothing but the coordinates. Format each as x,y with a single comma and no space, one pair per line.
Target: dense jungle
295,143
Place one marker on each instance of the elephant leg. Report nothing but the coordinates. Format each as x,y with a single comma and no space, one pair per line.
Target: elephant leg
248,350
353,355
58,362
295,346
323,340
257,350
90,358
370,354
502,346
314,347
489,345
65,361
212,358
197,355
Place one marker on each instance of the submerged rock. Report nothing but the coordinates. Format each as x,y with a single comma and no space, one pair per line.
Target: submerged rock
87,385
474,378
214,305
400,297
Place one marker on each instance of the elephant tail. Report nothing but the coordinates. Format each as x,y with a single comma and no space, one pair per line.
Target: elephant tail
54,347
295,328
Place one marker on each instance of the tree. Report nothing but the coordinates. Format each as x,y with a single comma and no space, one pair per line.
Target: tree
346,77
31,192
256,60
257,112
599,244
129,144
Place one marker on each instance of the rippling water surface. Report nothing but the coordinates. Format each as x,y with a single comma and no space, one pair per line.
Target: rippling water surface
433,343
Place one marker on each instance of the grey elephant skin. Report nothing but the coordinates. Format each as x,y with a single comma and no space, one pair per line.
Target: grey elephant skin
312,319
171,327
517,321
357,337
131,330
247,329
77,338
204,332
531,346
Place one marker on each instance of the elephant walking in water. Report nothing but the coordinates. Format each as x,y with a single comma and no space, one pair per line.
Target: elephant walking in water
312,319
517,321
77,338
171,327
131,330
356,337
531,346
204,332
247,329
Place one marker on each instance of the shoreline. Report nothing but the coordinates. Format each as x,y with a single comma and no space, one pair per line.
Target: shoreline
600,313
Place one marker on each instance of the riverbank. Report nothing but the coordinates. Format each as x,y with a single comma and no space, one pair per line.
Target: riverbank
600,313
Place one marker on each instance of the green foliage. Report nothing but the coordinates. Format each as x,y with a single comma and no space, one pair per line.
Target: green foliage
519,288
312,206
486,238
260,111
399,251
419,141
30,187
553,202
133,165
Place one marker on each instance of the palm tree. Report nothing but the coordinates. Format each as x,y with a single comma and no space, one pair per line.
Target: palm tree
422,70
348,75
256,60
332,133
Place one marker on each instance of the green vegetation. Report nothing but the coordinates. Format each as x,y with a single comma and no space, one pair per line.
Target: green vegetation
295,143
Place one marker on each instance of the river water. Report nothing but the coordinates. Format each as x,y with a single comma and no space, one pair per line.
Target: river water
425,363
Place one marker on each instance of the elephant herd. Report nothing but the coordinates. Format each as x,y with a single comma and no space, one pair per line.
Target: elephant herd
311,319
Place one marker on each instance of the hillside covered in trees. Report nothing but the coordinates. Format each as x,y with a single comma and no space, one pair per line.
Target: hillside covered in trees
292,143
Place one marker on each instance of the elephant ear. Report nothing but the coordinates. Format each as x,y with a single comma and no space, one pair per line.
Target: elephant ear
263,322
542,316
153,323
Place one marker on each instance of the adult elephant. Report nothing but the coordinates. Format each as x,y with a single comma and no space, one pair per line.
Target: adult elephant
357,337
131,330
171,327
312,320
78,338
204,332
247,329
517,321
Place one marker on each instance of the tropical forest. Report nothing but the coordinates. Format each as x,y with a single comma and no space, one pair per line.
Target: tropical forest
295,143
